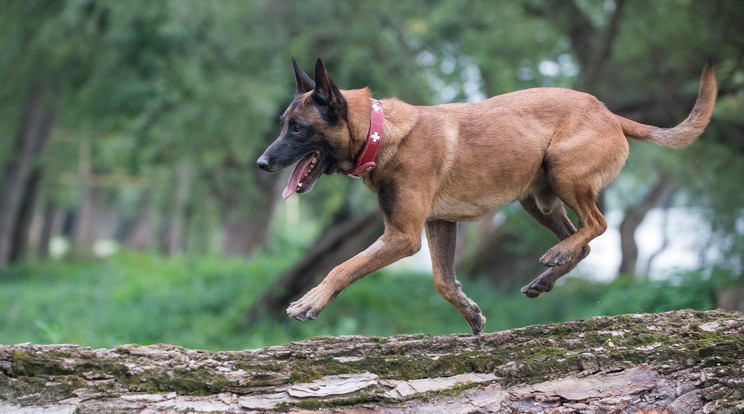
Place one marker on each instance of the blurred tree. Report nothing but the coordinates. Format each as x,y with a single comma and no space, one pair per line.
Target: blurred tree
177,99
658,195
147,84
40,67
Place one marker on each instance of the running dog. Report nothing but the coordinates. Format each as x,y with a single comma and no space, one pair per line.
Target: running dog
432,166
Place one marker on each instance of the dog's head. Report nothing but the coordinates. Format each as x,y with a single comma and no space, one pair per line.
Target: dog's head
315,134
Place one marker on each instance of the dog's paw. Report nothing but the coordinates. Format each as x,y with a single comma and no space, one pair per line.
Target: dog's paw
308,307
477,322
556,256
297,312
538,286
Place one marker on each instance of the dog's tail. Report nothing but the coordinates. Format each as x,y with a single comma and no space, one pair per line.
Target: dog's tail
686,132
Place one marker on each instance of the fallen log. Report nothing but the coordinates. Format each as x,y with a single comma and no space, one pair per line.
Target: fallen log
673,362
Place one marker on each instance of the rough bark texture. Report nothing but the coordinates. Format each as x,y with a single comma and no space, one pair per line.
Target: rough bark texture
674,362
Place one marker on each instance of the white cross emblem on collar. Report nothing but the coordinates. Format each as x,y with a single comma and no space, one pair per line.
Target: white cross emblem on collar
376,107
375,137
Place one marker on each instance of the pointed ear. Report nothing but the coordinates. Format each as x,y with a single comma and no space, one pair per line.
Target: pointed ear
303,81
327,94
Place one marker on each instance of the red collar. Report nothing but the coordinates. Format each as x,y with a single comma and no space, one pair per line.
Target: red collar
365,162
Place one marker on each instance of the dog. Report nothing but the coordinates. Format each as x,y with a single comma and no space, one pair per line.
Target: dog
432,166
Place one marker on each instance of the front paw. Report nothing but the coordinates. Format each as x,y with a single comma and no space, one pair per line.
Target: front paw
298,312
309,306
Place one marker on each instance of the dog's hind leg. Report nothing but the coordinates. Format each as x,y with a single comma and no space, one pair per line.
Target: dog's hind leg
442,236
555,220
564,256
546,281
582,199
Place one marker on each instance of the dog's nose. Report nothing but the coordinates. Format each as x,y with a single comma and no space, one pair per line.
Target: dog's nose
263,163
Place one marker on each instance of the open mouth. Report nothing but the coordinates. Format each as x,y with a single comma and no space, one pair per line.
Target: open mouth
303,175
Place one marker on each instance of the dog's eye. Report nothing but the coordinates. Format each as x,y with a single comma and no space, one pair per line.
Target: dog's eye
297,128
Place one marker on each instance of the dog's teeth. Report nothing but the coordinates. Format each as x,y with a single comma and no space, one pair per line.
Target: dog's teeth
299,186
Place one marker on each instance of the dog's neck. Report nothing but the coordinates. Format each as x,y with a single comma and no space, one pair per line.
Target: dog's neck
360,106
399,119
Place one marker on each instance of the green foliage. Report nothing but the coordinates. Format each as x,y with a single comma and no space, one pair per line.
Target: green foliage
157,87
198,302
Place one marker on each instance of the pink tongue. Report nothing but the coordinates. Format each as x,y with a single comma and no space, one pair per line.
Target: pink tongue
297,174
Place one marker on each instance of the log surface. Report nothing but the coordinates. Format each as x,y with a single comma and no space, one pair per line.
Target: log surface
672,362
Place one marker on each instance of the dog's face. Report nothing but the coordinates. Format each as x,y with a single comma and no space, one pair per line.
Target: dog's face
315,133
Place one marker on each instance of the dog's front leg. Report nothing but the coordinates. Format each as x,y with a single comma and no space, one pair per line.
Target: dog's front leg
394,245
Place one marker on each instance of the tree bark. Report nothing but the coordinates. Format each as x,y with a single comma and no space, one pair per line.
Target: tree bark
673,362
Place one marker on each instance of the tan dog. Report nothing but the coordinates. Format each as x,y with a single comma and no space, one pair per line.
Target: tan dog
442,164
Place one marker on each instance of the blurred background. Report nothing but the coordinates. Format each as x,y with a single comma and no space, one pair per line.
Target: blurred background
131,209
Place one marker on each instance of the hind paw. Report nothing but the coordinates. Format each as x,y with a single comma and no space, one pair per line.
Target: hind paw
556,256
537,287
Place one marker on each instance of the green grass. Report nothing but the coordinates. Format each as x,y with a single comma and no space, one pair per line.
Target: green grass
200,302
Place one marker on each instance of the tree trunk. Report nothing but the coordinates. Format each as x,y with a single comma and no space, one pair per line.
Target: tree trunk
244,233
139,236
657,195
338,243
731,297
246,228
173,227
22,231
673,362
84,227
35,128
86,221
52,220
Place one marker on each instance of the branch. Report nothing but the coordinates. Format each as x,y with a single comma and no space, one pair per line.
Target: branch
682,361
658,195
598,58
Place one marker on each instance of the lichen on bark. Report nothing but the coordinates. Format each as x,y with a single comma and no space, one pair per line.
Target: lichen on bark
673,359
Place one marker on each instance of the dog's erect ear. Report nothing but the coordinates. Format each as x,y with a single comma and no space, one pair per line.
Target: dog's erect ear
327,94
303,81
